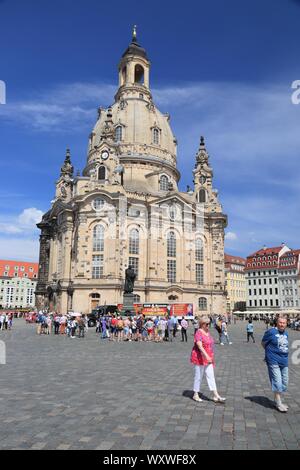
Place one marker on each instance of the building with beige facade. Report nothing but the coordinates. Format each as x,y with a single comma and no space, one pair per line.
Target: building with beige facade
235,282
126,209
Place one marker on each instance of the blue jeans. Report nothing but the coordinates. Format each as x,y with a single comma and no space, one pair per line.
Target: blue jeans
279,377
224,338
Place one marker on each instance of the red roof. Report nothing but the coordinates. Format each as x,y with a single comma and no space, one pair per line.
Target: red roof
289,259
263,259
266,251
26,269
235,260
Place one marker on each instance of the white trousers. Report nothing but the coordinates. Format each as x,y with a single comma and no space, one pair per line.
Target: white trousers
209,374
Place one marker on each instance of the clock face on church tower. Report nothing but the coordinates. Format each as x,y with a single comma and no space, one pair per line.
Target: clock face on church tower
104,155
202,179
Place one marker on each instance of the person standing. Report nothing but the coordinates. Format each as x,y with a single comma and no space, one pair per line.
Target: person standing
56,324
120,326
267,321
184,326
73,326
169,329
174,325
276,345
10,320
81,327
195,325
250,331
202,357
103,328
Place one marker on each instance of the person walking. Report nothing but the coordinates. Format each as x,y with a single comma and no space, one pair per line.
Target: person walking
276,345
224,334
202,357
218,327
184,326
267,321
250,331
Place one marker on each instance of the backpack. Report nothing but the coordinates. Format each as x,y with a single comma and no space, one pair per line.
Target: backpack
218,326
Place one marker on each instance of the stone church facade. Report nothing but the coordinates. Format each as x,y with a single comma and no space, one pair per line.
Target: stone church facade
126,209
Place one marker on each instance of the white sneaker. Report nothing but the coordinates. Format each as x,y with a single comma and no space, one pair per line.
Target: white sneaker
196,397
281,407
230,342
222,344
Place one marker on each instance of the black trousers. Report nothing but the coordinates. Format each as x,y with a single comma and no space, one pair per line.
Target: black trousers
56,327
250,335
183,334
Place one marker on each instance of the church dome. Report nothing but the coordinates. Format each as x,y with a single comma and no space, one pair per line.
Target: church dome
133,126
139,128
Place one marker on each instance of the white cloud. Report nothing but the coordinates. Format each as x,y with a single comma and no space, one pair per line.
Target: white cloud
30,217
231,236
24,223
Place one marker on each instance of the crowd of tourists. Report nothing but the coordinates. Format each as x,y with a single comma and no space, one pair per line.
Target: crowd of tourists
59,324
141,328
115,327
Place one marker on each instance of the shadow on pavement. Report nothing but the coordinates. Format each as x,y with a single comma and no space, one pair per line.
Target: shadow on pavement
261,400
190,393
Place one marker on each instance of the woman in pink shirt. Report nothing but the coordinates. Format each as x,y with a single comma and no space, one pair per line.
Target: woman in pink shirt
203,358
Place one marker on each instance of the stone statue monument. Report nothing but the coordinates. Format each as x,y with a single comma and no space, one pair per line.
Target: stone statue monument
129,280
130,276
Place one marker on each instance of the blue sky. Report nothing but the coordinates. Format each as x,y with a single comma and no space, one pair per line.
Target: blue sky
222,69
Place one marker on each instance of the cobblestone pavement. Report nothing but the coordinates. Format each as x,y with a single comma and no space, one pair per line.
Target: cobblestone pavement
59,393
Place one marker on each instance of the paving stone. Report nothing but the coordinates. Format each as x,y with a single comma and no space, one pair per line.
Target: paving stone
107,395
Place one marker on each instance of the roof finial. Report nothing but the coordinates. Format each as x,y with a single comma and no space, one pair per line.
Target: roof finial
202,143
134,39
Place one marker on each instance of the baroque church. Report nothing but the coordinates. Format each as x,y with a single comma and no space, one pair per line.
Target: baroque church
125,209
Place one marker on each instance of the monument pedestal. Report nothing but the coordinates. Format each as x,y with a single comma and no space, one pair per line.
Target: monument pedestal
128,304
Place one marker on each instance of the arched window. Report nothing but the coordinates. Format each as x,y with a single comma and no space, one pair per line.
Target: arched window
163,183
202,196
155,136
202,303
95,296
102,173
173,297
171,245
138,74
118,133
98,238
134,242
199,250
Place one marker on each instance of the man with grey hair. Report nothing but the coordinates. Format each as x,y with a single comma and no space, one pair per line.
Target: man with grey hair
275,343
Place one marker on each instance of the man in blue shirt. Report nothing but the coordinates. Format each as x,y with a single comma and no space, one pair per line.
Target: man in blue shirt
250,331
276,344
